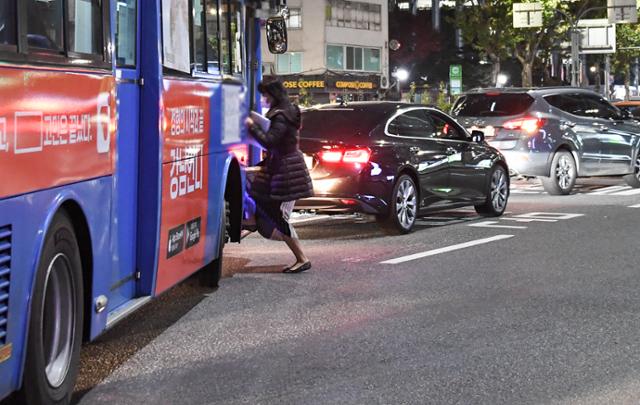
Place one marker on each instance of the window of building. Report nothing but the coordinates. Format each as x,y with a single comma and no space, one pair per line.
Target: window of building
126,27
45,22
289,63
371,59
84,26
335,57
342,57
354,58
8,23
295,18
354,14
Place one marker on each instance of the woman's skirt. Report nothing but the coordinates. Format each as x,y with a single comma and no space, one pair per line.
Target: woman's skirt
275,215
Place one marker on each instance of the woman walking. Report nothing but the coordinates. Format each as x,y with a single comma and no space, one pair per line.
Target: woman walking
284,177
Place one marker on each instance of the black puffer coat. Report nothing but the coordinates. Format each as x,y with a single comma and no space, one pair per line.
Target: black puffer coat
284,175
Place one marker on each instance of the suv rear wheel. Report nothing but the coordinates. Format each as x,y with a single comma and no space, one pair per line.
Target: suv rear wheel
563,174
634,179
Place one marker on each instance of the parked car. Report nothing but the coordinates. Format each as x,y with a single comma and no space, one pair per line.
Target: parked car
398,161
557,134
631,108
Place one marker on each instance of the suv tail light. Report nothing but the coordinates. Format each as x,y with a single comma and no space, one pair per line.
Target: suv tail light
349,155
530,125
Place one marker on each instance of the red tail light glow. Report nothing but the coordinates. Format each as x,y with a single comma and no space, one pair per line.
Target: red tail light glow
351,155
360,155
530,125
331,155
241,153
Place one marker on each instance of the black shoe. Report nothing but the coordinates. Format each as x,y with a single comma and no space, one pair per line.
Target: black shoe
303,267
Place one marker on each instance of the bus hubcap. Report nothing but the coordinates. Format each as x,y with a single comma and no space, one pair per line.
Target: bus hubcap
58,320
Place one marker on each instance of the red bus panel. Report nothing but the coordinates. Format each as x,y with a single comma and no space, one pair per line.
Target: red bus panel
55,128
185,186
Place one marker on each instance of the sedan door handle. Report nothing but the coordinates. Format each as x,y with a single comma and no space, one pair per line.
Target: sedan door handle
567,123
414,149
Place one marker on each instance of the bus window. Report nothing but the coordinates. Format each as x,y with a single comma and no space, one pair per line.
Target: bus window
45,24
175,34
85,26
213,44
126,32
199,50
235,18
225,54
8,23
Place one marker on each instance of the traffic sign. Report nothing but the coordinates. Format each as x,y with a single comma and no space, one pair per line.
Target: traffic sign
622,11
527,15
455,71
597,36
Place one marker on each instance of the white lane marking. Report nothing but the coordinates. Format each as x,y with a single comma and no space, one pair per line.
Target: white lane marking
492,224
635,206
609,190
446,249
633,191
543,217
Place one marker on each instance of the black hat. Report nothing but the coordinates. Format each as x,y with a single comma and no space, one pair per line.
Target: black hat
274,88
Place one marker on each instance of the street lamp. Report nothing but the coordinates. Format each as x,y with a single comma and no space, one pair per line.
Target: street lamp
501,80
401,75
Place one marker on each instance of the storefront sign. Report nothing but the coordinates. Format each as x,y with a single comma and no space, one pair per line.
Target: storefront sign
304,84
357,85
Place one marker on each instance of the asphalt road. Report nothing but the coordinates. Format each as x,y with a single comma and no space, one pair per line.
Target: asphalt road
539,306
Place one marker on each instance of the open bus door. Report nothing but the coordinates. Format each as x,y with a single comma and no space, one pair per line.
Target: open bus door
123,280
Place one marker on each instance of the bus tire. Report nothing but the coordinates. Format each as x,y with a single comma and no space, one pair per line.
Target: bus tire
55,326
212,272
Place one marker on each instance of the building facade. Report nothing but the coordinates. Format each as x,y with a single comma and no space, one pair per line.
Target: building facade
337,48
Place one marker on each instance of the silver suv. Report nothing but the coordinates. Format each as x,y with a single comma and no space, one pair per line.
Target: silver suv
557,134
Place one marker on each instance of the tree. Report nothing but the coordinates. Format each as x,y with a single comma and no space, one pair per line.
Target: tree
488,26
481,27
627,36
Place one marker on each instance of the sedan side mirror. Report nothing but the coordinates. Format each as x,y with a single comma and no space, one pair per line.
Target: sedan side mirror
277,34
477,136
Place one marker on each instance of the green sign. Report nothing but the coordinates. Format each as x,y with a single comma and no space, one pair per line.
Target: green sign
455,71
455,79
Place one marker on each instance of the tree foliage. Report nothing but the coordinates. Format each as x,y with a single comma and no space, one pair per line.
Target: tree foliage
627,36
488,26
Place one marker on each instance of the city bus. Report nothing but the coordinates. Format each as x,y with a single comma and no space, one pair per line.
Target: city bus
121,148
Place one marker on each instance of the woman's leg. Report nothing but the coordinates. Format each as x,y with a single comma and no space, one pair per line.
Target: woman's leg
293,244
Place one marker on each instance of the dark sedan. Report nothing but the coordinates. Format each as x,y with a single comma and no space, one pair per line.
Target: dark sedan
398,161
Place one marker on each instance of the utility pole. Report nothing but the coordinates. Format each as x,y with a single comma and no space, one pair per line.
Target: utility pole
435,15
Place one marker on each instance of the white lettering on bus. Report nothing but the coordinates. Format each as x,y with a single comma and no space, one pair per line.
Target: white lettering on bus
63,129
187,170
186,120
4,142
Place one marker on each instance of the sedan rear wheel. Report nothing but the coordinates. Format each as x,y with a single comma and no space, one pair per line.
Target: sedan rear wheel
403,208
634,179
498,194
563,174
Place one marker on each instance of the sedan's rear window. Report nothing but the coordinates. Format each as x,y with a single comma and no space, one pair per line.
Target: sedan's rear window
338,124
492,105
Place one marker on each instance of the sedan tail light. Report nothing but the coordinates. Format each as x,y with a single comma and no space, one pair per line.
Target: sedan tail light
348,155
530,125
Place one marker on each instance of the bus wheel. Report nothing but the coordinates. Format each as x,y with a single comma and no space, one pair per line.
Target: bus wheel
55,327
212,272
